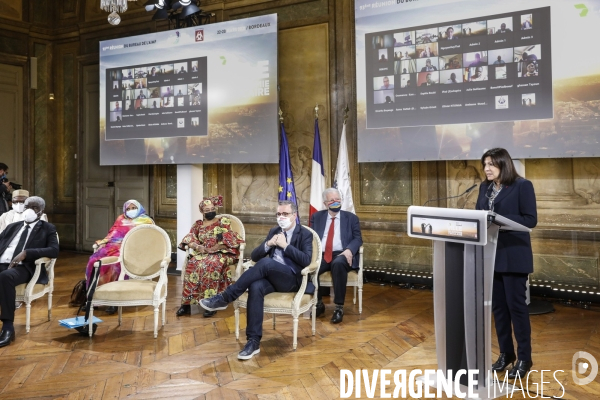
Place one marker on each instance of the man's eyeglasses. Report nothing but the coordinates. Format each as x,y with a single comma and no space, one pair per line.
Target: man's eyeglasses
283,214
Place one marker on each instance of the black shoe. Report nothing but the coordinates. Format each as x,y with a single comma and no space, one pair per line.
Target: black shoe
208,314
504,360
110,310
251,348
185,309
338,316
320,309
6,337
520,369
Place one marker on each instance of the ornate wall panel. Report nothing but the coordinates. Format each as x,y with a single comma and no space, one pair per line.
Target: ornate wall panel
41,129
11,9
386,184
461,175
66,139
304,82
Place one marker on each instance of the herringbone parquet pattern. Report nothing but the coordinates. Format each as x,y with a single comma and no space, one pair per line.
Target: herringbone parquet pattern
196,357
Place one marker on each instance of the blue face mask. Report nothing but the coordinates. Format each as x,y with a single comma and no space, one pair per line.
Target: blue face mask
336,206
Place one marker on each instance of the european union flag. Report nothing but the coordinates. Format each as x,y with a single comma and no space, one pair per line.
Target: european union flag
287,191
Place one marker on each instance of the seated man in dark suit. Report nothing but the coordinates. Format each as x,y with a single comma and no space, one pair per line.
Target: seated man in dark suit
341,239
279,263
21,243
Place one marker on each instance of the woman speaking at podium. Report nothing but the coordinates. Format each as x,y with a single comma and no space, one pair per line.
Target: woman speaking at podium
508,194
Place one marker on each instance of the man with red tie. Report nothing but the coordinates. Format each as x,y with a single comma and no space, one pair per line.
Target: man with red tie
341,239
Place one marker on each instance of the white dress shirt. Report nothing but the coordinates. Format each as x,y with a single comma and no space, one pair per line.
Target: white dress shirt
8,254
278,253
337,239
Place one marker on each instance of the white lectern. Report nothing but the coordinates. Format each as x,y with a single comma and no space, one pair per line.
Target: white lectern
464,250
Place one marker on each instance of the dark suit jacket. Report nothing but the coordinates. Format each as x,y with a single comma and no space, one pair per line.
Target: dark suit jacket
517,203
349,230
298,253
42,242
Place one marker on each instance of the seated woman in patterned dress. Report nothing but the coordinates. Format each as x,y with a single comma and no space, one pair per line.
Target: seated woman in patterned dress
133,215
214,247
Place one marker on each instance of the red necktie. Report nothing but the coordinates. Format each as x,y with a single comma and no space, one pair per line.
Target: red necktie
329,244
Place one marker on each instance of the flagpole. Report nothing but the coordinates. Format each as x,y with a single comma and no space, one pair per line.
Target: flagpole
317,176
286,190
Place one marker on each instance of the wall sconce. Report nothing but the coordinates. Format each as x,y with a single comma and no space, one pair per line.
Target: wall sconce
51,96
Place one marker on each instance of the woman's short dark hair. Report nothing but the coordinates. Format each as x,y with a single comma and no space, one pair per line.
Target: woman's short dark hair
501,160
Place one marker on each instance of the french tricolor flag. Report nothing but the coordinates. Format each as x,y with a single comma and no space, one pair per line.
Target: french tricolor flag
317,178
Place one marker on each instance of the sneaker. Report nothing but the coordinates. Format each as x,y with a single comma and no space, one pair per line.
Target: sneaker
251,348
215,303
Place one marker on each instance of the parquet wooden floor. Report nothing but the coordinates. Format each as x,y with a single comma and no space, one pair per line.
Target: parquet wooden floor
196,357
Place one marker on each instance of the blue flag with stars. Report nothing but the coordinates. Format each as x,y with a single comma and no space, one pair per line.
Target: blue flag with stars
287,191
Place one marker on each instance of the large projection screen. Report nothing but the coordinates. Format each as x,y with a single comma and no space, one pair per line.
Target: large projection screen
197,95
448,79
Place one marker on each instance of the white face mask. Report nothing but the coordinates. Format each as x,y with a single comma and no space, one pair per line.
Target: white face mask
131,213
29,216
18,207
284,222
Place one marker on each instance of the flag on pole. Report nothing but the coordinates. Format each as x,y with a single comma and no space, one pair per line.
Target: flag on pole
342,175
317,177
287,191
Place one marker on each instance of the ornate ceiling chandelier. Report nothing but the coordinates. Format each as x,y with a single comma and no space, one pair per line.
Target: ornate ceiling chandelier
114,7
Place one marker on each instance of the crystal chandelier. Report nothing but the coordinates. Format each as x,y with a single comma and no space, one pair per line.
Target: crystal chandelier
114,7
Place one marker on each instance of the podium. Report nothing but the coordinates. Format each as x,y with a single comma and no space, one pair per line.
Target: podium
464,252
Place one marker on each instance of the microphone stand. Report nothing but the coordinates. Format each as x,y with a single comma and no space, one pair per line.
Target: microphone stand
451,197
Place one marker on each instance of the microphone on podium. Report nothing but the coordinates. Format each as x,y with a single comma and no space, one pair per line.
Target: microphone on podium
452,197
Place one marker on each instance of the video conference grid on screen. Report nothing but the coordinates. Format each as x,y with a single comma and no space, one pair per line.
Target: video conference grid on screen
491,68
157,100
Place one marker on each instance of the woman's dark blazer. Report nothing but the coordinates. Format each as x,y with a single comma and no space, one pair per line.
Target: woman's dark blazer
517,203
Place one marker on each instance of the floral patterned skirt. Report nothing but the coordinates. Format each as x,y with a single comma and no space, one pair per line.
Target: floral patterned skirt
206,276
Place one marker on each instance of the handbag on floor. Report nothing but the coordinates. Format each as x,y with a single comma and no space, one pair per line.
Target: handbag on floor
78,295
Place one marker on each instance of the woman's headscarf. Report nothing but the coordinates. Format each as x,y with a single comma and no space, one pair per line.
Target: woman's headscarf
216,201
141,212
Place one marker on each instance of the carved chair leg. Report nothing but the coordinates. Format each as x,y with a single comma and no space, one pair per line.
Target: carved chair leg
295,344
49,306
27,316
236,314
155,322
91,318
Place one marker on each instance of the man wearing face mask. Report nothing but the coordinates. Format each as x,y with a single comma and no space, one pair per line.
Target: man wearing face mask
279,263
21,243
18,206
340,235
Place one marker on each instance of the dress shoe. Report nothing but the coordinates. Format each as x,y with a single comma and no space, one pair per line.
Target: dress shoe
251,348
338,316
110,310
208,314
504,360
6,337
320,309
215,303
520,369
183,310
